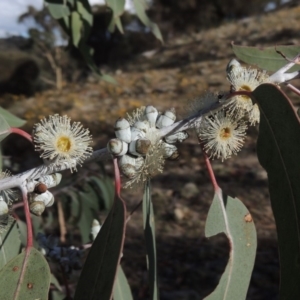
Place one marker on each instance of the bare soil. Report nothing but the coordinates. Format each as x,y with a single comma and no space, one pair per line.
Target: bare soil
189,265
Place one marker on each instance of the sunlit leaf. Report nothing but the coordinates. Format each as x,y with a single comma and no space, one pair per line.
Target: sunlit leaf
230,216
140,7
12,120
278,149
149,232
99,271
10,244
25,277
267,58
58,10
121,288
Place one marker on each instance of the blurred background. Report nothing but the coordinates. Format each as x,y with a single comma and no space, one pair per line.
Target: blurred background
42,75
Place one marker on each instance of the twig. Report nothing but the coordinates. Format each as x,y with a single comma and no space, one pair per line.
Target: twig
61,221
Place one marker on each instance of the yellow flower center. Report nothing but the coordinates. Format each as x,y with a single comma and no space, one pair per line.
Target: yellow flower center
63,144
245,88
225,133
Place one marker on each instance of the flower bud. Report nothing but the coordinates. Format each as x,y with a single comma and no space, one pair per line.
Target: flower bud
171,151
151,115
40,188
166,119
3,207
139,147
142,125
137,133
95,228
177,137
46,197
117,147
127,165
37,207
51,180
122,130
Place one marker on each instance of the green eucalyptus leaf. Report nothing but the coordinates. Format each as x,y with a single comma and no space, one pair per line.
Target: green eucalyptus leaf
104,187
149,232
89,206
278,149
12,120
26,277
57,10
76,25
117,7
140,7
230,216
4,129
267,58
100,268
85,11
10,244
121,288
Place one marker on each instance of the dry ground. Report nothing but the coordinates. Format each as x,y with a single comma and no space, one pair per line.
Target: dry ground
189,265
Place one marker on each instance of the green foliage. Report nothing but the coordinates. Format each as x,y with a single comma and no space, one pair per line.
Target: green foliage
97,279
11,120
31,283
140,7
149,232
267,58
121,288
10,244
230,216
278,149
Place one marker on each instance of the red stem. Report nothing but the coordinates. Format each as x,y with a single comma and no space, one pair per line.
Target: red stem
117,178
21,132
28,220
209,169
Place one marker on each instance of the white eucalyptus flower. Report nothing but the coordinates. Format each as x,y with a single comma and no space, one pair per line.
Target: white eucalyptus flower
62,142
243,79
222,135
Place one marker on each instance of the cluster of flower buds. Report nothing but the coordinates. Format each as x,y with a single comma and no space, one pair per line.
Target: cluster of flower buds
68,257
4,211
39,196
136,136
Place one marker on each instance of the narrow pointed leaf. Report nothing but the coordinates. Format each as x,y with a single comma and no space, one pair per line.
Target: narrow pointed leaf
10,244
149,232
121,288
33,283
99,271
267,58
278,149
140,7
230,216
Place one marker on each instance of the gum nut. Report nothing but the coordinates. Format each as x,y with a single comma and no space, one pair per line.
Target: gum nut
169,150
167,119
142,125
51,180
174,156
46,197
37,207
3,207
177,137
122,130
117,147
151,115
136,134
